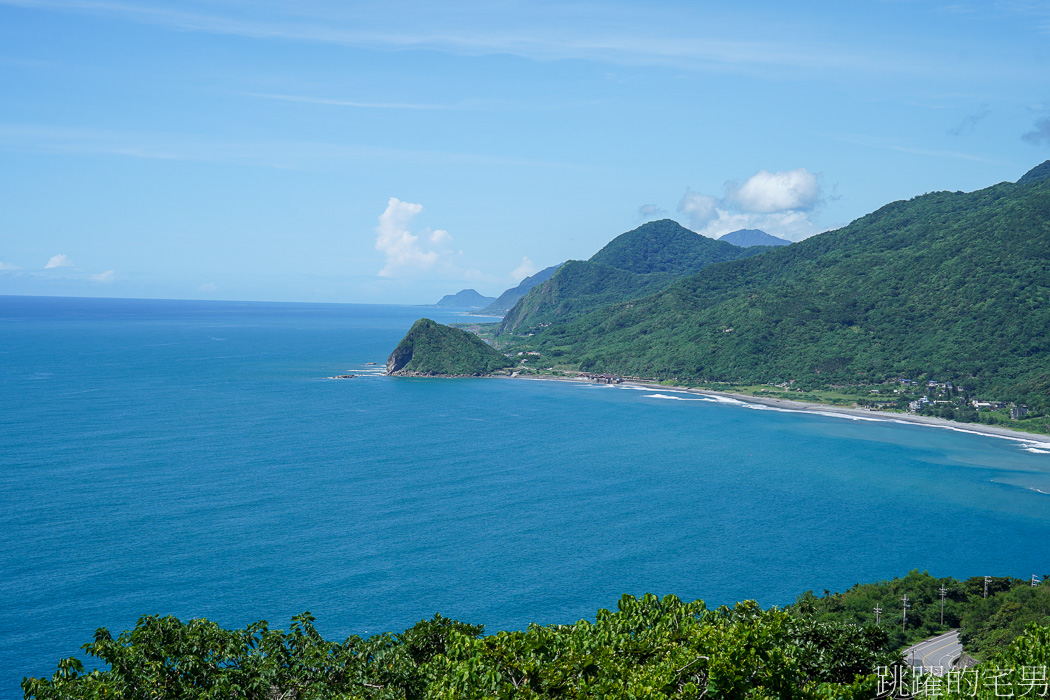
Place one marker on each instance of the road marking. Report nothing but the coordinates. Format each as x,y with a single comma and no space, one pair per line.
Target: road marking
923,660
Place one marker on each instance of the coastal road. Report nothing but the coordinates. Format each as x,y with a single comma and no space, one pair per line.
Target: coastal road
935,654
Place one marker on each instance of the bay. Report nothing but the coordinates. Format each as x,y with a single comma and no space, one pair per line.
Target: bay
196,459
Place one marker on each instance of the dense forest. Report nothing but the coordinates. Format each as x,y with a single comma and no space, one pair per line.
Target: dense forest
634,264
949,286
649,647
431,349
510,297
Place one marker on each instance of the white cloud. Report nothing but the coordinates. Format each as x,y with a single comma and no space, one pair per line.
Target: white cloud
780,204
526,269
766,192
404,250
8,266
58,261
701,209
208,287
104,277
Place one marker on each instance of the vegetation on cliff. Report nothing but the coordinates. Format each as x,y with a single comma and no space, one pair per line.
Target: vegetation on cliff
431,349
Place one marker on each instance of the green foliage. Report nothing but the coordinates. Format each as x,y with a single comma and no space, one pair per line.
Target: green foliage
648,648
987,625
820,647
431,349
992,623
165,658
632,265
950,286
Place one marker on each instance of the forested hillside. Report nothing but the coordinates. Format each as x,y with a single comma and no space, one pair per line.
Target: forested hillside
950,285
510,297
632,265
432,350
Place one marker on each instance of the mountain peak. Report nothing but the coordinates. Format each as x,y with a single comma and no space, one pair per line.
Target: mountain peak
663,246
747,237
430,349
466,298
1037,174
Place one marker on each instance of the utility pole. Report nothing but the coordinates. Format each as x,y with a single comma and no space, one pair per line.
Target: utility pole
904,612
944,592
987,580
878,611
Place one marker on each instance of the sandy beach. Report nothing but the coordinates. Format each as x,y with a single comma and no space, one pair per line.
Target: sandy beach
826,409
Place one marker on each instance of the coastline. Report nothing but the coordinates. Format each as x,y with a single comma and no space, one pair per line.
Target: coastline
825,409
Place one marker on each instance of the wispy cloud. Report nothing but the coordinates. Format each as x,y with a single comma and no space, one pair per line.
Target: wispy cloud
8,266
969,122
615,35
289,155
104,277
888,145
58,261
351,103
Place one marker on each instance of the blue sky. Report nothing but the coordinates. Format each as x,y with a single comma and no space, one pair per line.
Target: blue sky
396,152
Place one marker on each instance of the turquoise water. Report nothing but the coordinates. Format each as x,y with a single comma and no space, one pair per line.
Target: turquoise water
192,458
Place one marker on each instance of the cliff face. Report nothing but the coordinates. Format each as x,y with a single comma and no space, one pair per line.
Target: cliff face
430,349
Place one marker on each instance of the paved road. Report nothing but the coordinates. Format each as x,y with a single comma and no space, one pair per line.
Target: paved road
936,654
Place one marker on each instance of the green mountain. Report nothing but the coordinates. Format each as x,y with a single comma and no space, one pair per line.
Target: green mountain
430,349
1036,174
465,299
947,286
509,298
632,265
747,237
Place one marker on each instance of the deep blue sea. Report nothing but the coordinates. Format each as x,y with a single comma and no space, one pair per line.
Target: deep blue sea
194,459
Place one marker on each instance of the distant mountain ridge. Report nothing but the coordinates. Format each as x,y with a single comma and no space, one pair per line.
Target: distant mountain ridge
504,302
634,264
747,237
465,299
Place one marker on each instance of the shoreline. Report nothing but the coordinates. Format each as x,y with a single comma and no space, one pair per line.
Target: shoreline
825,409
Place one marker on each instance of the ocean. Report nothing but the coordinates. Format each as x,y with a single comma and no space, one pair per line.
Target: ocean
195,459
